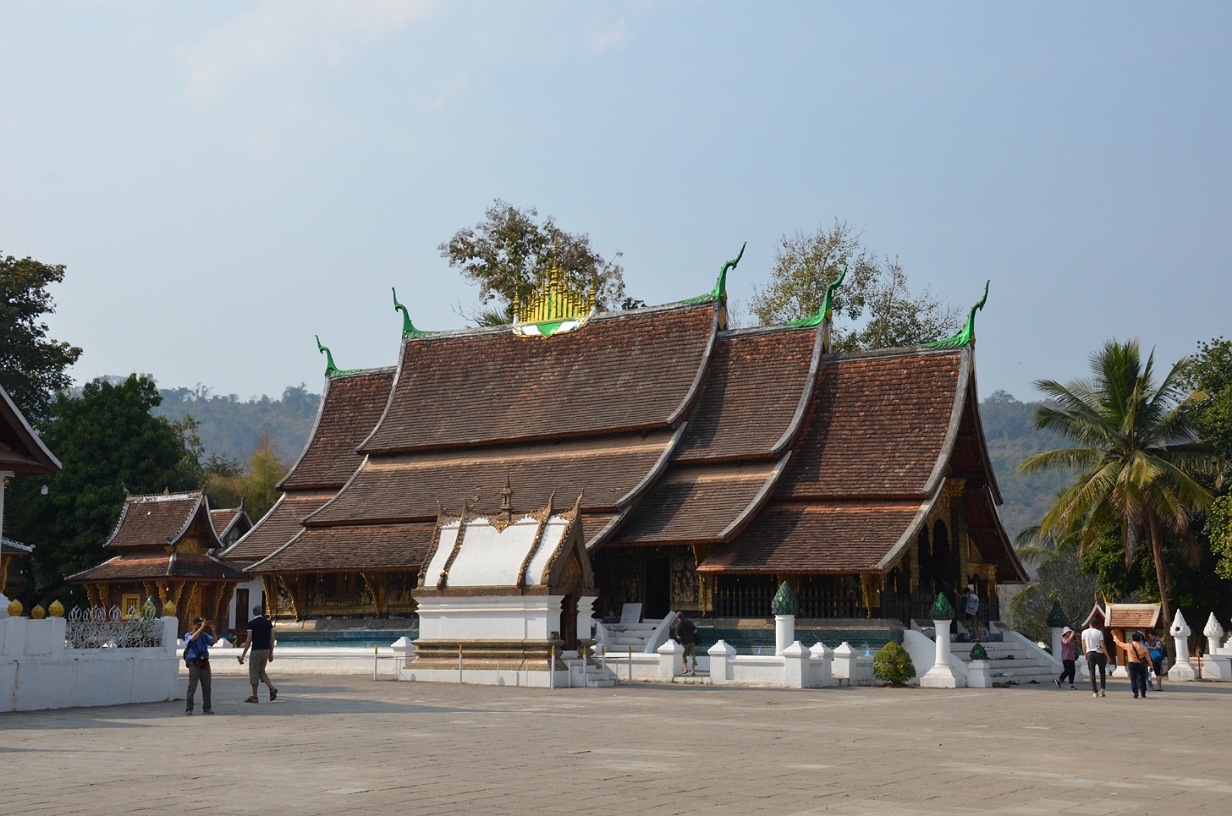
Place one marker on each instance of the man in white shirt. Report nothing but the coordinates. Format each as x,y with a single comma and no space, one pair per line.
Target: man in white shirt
1097,656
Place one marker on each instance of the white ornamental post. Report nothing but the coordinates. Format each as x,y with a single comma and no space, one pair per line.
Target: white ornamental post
1214,634
784,606
1182,670
942,674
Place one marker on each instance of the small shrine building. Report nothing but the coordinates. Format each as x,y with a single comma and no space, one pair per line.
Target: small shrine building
165,548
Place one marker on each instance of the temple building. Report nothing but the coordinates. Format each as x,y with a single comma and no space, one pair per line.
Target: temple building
165,547
711,464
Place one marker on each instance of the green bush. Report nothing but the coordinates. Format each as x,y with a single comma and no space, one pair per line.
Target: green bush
893,665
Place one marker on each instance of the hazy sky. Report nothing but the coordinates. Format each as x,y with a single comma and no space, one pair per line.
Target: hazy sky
224,180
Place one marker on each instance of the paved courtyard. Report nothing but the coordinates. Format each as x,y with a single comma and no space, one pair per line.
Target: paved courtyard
350,745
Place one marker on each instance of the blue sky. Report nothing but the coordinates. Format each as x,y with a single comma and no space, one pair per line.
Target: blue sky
224,180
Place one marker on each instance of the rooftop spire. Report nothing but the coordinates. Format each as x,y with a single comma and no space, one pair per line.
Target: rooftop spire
719,292
331,370
408,328
967,335
825,315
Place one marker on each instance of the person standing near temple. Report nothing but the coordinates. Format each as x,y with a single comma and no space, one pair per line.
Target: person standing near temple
1069,656
197,645
261,641
688,637
1097,656
1137,655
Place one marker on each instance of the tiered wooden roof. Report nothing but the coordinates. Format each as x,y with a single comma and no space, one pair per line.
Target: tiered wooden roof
162,537
776,456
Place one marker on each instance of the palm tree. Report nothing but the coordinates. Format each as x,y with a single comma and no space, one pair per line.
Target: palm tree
1137,455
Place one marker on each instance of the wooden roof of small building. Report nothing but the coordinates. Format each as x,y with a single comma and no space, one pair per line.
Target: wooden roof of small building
21,450
163,536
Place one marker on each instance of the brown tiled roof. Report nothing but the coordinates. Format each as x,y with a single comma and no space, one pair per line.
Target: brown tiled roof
411,487
278,526
984,527
133,567
153,521
841,538
350,408
878,425
696,504
753,395
21,450
351,549
1133,616
626,371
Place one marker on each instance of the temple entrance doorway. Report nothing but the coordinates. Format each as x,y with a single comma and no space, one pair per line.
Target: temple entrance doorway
658,601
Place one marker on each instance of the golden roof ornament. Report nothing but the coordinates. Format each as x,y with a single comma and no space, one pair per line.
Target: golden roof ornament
56,610
555,307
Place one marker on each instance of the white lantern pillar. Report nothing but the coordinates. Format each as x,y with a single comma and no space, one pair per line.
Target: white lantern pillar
1182,670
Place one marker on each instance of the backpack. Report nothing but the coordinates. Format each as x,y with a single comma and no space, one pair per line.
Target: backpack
972,605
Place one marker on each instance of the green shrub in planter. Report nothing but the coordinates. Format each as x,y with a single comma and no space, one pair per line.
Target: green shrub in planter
893,665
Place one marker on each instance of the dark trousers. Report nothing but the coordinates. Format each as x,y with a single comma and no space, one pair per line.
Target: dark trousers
1097,660
1068,669
199,675
1137,677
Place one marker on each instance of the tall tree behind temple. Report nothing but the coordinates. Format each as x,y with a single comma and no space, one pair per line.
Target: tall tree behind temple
874,295
509,253
32,366
107,442
253,484
1211,375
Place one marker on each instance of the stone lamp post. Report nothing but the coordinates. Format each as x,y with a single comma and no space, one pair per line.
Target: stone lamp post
942,674
1182,670
1216,664
784,606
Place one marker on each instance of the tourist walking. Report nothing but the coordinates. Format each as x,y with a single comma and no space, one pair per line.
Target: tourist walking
1137,656
197,645
688,637
261,641
1069,656
1158,653
1097,656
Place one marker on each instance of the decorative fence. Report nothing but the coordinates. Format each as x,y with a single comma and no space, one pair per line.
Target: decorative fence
98,628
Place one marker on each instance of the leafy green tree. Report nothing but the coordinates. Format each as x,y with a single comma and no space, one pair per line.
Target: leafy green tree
107,442
509,253
228,483
1210,374
1139,466
33,367
875,292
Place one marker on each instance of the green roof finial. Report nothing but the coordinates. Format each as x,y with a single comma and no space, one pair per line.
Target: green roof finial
967,335
785,601
827,306
331,370
719,292
1056,616
942,609
408,328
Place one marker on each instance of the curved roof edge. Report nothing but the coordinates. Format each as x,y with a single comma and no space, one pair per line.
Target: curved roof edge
758,502
45,462
690,398
806,398
946,451
909,534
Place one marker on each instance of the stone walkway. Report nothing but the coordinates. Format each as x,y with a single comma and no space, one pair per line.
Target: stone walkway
347,745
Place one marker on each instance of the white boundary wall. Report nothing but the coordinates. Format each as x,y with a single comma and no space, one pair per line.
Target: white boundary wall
37,670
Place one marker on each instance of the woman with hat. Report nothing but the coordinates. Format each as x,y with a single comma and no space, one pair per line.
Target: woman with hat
1069,656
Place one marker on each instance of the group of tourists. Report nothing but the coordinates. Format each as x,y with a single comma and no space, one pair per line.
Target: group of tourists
1141,657
197,643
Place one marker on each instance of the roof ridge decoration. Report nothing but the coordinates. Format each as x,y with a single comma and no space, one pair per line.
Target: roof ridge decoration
719,292
556,307
408,328
967,335
331,370
825,317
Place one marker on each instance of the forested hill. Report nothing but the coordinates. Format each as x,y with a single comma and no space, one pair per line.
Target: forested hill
231,428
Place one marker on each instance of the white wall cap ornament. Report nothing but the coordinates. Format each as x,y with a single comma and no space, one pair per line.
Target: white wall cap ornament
1179,627
1213,629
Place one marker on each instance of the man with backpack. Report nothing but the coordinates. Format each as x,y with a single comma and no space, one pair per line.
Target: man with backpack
197,656
688,637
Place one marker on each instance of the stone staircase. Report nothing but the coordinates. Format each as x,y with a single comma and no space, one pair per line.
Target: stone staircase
620,637
1011,662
